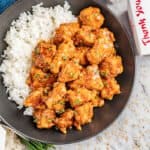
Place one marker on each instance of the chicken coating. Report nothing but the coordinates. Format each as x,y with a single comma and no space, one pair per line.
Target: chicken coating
43,55
105,33
65,31
38,78
81,54
111,67
97,101
102,48
85,36
92,17
70,71
44,118
59,107
111,88
57,94
89,78
66,50
65,121
83,115
80,96
34,98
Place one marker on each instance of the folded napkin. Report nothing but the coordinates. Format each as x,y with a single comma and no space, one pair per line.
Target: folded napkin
2,138
5,3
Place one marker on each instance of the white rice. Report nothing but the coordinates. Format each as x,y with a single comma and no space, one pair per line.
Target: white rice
22,37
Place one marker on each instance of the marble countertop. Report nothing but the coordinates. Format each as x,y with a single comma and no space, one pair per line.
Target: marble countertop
131,131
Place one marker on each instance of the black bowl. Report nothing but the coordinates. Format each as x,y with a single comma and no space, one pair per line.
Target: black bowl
103,116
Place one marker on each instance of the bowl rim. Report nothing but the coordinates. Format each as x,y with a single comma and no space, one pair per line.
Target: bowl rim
103,6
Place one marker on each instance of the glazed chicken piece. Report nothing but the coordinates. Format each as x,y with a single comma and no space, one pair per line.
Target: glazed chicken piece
102,48
81,54
111,87
38,78
70,71
66,50
97,101
111,67
59,107
34,98
105,33
44,118
85,36
65,31
65,121
89,78
43,54
91,16
83,115
57,94
80,96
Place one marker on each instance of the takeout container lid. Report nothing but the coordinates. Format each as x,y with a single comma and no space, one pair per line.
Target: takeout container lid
139,16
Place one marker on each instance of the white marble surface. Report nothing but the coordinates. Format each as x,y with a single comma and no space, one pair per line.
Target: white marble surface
131,131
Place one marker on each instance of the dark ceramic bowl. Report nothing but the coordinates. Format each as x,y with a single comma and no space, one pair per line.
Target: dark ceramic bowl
103,116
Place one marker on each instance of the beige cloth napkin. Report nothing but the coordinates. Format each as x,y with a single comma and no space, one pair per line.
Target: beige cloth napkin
2,138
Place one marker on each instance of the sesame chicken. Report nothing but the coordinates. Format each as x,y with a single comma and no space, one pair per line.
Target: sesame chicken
81,54
105,33
37,78
73,72
85,37
43,55
56,94
65,31
91,16
80,96
111,67
102,48
70,71
83,115
111,88
89,78
65,121
44,118
66,50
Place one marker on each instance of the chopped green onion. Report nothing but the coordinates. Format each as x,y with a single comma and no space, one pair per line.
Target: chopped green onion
60,111
77,101
35,145
103,73
37,51
45,91
35,120
36,76
100,85
61,102
72,74
50,120
64,57
47,75
105,83
50,48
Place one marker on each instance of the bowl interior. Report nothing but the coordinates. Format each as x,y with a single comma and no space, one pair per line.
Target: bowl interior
103,116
